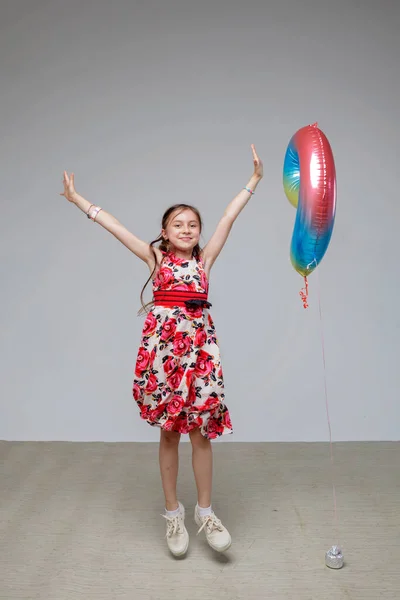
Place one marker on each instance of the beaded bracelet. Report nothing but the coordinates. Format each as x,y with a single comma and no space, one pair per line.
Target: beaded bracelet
249,190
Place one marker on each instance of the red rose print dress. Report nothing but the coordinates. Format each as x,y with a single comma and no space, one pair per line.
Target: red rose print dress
178,383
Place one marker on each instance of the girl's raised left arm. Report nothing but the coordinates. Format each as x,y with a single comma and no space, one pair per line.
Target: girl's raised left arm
234,208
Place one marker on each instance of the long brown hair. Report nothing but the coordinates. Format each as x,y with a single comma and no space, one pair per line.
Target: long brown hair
164,245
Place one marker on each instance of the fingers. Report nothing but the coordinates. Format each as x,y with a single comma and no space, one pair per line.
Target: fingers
256,158
65,181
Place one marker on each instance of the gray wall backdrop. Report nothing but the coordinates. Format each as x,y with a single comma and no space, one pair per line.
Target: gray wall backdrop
151,102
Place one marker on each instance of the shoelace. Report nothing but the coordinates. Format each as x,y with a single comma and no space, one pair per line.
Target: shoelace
172,525
211,522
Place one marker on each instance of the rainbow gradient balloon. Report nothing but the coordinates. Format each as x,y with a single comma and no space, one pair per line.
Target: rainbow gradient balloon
309,181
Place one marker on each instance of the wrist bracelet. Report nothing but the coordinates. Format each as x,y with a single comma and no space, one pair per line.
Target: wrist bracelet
249,190
88,211
95,212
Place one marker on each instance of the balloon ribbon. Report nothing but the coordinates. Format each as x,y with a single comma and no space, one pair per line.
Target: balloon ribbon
304,293
335,511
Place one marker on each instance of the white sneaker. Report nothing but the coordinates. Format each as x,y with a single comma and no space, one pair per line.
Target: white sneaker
217,535
177,535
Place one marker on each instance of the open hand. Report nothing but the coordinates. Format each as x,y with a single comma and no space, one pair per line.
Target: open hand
258,166
69,187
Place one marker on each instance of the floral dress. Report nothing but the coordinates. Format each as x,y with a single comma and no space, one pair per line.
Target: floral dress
178,383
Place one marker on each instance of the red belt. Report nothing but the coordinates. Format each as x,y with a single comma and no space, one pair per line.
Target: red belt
181,298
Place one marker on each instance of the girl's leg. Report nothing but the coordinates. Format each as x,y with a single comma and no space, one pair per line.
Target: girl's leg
217,535
169,463
177,535
202,461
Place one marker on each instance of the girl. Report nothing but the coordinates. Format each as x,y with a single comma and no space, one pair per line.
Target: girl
178,383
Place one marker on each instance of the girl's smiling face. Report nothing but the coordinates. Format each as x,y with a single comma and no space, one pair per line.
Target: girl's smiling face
183,232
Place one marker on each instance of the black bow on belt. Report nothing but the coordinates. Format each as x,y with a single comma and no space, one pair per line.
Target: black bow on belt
196,302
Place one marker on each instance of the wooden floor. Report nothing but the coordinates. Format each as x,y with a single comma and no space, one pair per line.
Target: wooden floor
82,521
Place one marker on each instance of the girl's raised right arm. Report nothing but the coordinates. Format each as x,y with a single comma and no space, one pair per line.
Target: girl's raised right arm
139,247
